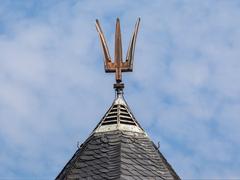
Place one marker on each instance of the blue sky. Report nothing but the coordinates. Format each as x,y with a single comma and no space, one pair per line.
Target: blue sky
184,90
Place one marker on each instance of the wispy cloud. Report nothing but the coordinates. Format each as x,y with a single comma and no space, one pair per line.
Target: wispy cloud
184,89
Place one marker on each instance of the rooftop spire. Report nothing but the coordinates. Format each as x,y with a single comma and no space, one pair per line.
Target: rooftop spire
118,148
119,116
118,66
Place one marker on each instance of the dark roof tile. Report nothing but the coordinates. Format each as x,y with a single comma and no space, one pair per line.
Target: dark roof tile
118,155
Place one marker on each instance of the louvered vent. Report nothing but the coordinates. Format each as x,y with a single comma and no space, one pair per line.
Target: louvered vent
119,113
118,117
125,117
111,116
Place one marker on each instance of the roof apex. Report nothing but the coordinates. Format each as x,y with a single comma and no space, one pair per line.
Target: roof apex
119,117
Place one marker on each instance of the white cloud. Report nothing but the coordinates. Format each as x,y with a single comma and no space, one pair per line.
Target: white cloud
53,89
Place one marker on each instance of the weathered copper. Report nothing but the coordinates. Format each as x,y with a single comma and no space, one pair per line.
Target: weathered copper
118,66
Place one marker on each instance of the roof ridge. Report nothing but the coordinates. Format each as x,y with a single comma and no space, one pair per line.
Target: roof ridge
166,163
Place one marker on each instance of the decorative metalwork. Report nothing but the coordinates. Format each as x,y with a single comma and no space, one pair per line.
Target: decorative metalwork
118,66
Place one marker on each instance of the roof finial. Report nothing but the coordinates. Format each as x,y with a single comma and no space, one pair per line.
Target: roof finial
118,66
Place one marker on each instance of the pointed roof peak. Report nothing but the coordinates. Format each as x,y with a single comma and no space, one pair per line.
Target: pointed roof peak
119,99
119,117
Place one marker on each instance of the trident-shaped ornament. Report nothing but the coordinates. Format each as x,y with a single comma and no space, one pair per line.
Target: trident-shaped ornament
118,66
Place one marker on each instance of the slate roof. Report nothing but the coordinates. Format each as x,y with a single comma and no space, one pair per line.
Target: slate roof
118,155
118,148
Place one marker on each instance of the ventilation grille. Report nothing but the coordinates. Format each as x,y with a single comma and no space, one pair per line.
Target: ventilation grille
119,113
125,117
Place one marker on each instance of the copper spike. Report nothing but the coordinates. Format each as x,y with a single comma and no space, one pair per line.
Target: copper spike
118,52
107,57
131,47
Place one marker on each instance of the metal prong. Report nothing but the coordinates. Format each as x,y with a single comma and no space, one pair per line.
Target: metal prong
118,51
106,54
131,48
118,42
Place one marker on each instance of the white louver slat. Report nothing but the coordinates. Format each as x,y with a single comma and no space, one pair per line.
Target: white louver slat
119,117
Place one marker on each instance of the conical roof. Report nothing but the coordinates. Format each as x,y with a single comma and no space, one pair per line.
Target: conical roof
118,148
